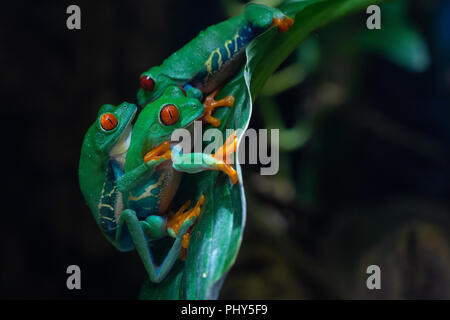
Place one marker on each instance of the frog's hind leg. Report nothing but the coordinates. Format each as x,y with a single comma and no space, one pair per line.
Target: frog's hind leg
176,220
211,104
130,223
159,152
264,17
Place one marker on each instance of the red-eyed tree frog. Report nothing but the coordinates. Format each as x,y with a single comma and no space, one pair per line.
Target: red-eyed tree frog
103,152
154,165
129,175
206,63
102,161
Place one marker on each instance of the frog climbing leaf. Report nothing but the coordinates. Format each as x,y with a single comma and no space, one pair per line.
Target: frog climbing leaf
130,175
215,238
218,232
206,62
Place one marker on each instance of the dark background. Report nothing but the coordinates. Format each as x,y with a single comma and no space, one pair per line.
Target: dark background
370,185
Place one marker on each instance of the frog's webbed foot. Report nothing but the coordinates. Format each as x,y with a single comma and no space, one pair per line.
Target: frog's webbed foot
160,152
198,162
222,156
283,23
177,219
211,104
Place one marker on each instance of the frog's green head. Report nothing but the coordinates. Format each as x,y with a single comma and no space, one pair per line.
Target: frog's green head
112,127
158,120
152,84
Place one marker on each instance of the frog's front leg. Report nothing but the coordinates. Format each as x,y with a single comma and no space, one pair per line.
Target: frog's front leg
152,159
210,104
160,152
198,162
129,219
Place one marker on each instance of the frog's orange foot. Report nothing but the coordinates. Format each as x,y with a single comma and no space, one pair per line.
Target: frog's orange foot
184,245
211,104
176,220
229,170
223,157
283,24
160,152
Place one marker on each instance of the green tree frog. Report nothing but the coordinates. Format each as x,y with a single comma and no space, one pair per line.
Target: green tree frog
103,153
102,160
128,190
206,63
154,165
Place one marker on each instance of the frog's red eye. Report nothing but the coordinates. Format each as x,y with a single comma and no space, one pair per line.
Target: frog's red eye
169,115
147,83
108,121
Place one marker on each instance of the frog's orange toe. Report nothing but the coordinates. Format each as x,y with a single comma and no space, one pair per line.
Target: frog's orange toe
160,151
283,24
222,156
184,245
211,104
229,147
233,176
177,219
231,173
185,240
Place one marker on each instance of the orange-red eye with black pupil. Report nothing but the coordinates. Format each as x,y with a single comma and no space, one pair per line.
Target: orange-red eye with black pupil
146,83
108,121
169,115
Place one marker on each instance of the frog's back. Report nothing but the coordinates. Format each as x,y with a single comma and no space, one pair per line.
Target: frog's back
91,171
212,50
97,183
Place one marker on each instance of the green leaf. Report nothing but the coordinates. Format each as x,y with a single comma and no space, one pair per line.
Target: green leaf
217,235
402,44
268,51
